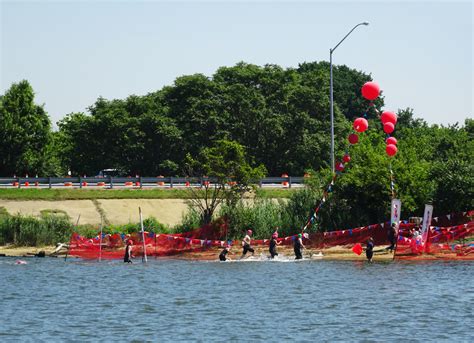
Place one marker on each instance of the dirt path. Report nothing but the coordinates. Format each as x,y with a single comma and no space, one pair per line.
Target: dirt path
117,211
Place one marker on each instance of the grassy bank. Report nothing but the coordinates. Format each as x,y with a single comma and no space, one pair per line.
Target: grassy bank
89,194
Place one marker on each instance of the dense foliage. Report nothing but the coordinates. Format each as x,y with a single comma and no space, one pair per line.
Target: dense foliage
280,117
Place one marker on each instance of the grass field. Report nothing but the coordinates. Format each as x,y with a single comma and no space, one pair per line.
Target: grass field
83,194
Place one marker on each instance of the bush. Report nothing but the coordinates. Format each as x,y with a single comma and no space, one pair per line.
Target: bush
31,231
191,220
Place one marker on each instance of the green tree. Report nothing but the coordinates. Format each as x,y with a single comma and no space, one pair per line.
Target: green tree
232,175
24,132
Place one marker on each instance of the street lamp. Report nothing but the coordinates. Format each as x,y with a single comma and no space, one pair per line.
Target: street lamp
331,93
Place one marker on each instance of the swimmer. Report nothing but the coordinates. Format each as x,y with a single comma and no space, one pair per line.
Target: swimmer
223,254
128,252
298,245
273,245
246,244
369,251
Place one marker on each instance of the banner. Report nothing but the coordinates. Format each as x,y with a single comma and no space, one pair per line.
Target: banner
396,211
426,222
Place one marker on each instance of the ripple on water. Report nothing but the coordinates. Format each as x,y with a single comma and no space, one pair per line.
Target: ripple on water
198,301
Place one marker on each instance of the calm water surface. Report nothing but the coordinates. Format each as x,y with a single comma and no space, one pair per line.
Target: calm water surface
167,300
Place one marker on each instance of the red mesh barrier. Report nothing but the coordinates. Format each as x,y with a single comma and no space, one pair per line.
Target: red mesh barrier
445,242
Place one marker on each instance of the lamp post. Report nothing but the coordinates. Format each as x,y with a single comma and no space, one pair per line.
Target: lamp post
331,93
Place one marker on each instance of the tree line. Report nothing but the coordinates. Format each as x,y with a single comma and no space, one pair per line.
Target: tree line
280,117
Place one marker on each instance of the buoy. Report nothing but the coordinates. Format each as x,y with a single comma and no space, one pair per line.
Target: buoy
100,184
137,184
15,184
84,184
27,183
284,183
68,184
129,184
187,184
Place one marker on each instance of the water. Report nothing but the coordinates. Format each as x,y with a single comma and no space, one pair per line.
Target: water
169,300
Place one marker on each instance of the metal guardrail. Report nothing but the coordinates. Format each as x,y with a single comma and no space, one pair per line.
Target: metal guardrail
136,182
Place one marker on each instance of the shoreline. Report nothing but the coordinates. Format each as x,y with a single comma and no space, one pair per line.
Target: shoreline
334,253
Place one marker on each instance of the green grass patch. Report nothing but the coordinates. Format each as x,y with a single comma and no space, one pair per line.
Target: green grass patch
79,194
55,212
89,194
3,212
276,193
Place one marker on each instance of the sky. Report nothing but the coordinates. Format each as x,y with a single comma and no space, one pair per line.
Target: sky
72,52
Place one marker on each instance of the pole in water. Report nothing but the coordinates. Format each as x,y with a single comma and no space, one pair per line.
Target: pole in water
100,240
69,245
144,259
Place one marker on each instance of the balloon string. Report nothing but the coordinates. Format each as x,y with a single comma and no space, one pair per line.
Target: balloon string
392,181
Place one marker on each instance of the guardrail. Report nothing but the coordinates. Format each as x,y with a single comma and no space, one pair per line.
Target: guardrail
136,182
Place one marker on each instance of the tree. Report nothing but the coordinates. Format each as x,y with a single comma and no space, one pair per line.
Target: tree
226,165
24,131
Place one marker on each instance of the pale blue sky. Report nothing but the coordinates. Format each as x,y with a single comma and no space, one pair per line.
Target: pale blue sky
72,52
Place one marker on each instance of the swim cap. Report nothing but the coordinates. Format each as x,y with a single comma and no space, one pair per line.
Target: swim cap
300,235
249,232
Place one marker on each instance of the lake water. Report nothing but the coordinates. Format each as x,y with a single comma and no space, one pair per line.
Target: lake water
170,300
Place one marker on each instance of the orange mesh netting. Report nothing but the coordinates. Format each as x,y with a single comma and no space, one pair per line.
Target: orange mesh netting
452,242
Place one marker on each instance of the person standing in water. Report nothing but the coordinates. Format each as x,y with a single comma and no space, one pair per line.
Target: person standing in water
369,251
128,252
298,245
392,234
273,245
246,244
223,254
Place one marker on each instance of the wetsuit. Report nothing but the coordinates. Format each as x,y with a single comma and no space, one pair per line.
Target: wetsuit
222,255
272,249
128,254
246,245
391,238
297,249
369,252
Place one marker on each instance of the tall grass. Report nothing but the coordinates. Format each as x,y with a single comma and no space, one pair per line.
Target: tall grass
264,215
31,231
49,229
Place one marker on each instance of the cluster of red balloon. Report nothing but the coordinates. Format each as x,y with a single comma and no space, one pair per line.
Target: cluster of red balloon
389,119
370,91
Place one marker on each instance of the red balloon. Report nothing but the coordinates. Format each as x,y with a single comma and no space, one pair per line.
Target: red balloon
388,117
391,140
391,149
360,124
353,138
340,166
388,127
346,158
370,90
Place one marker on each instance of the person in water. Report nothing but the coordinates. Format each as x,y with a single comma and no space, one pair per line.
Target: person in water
128,252
392,235
223,254
298,246
246,244
273,245
369,251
